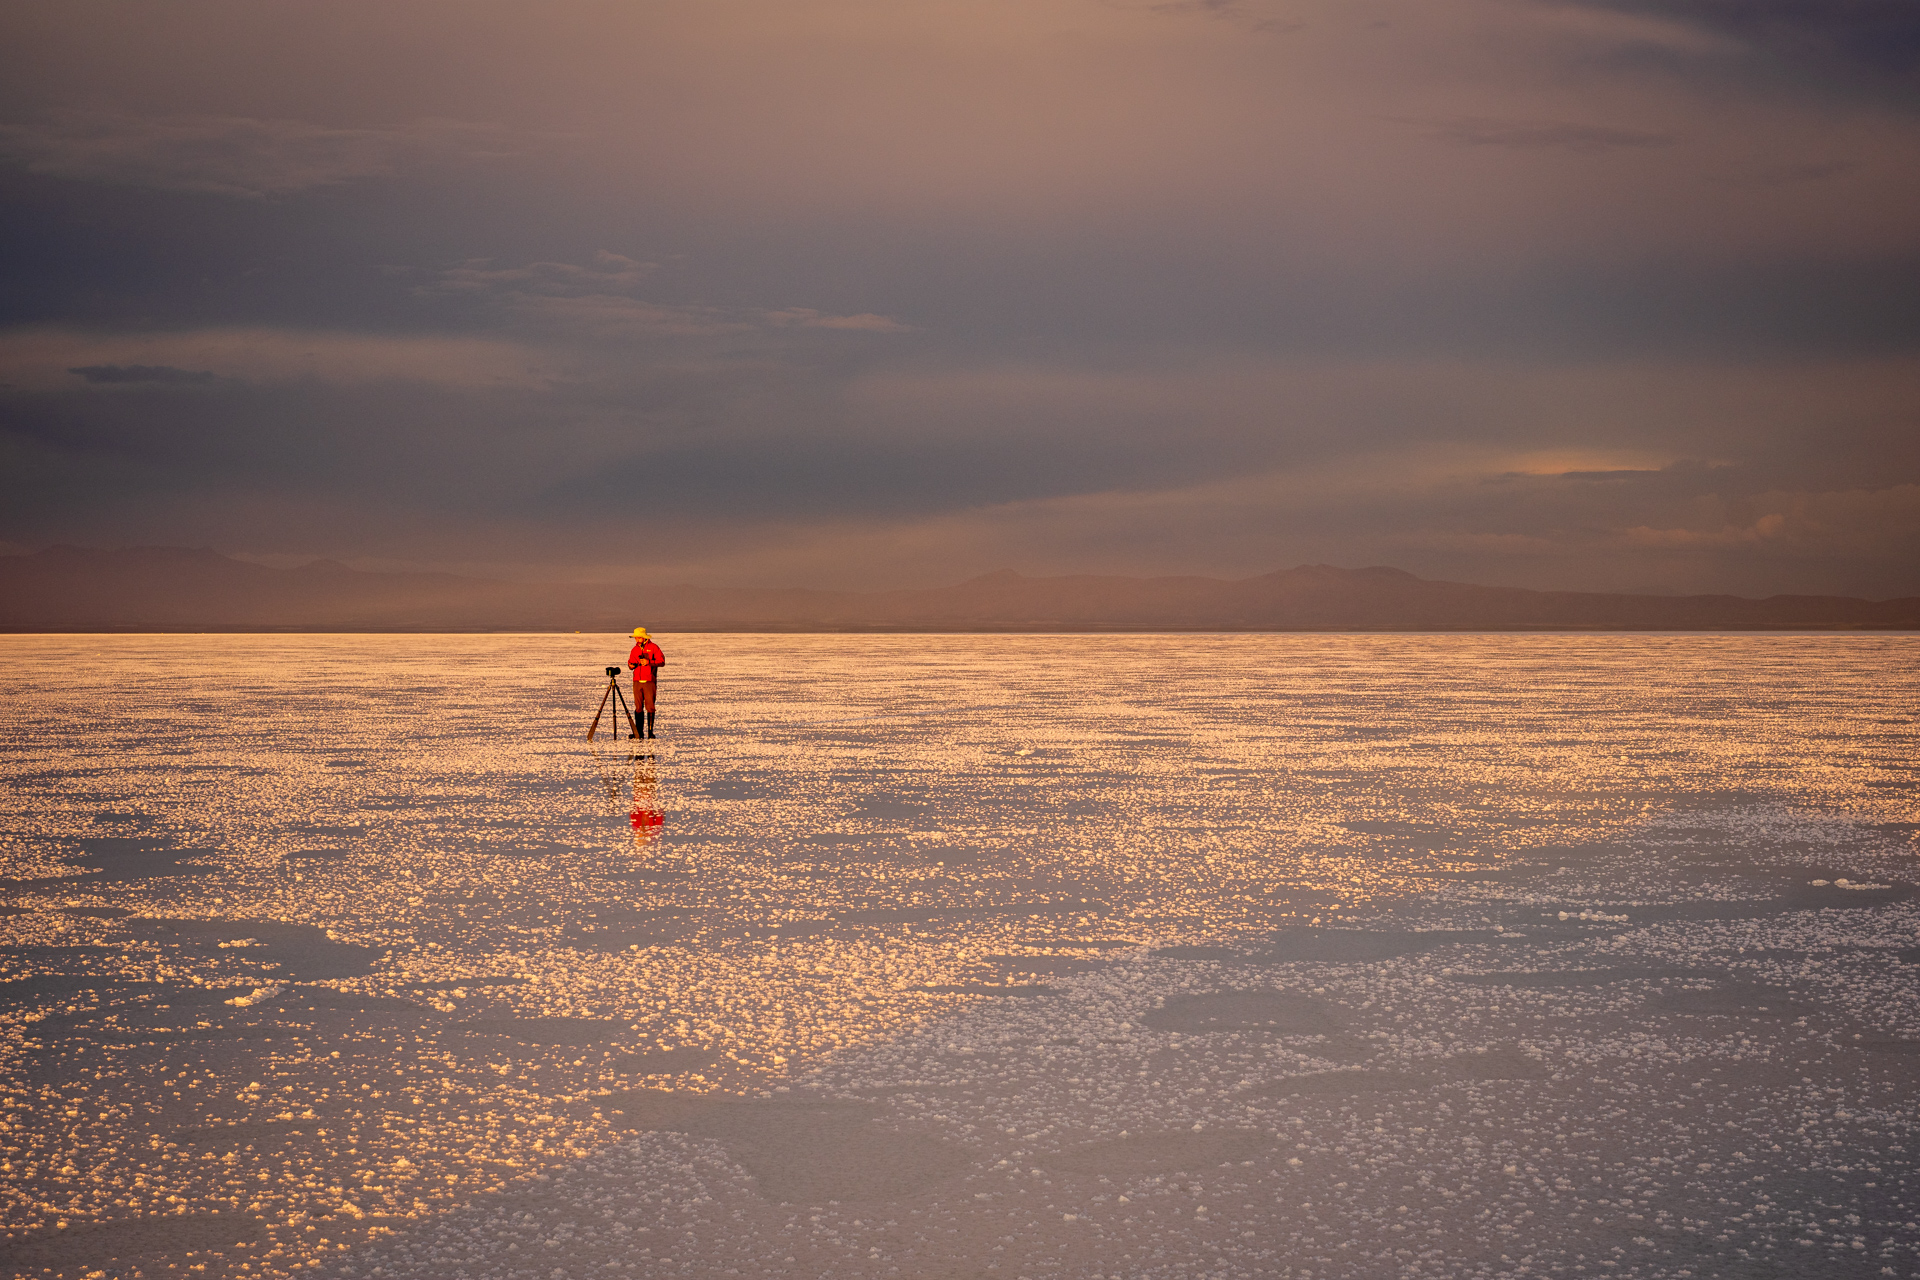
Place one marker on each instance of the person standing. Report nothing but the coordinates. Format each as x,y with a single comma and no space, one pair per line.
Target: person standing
645,662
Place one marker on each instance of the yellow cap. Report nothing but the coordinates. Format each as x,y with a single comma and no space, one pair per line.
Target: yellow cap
639,633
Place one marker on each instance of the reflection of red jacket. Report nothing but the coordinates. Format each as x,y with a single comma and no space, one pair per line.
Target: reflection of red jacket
645,657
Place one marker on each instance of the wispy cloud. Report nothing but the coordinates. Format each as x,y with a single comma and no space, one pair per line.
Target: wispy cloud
233,155
808,318
1544,135
50,359
1877,35
602,298
1851,522
165,374
608,273
1793,174
1255,17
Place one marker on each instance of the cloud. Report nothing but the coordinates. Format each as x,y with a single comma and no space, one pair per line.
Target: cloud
161,373
1255,17
1797,524
609,273
1793,174
601,300
1876,35
808,318
1549,292
777,467
1546,135
233,155
47,359
1429,512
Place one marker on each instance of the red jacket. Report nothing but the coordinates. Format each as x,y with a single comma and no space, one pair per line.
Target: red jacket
645,657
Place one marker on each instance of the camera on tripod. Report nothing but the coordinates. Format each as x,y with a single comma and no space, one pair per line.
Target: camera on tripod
620,708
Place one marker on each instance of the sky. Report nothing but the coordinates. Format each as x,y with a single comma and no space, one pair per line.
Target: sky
1594,294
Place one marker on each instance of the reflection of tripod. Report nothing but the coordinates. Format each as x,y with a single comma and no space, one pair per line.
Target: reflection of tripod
620,699
644,814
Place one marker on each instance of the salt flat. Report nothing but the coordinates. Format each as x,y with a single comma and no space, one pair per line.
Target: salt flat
969,956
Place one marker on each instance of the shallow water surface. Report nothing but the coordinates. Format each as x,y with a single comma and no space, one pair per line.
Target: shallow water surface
1248,956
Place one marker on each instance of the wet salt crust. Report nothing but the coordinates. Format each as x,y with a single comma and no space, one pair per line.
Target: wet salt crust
1356,956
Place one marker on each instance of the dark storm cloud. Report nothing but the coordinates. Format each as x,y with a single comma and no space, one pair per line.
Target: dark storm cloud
853,292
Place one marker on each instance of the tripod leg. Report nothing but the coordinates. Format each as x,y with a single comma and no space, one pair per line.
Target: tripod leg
596,715
621,698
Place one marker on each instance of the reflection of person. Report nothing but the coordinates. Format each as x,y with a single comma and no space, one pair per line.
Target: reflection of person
645,662
646,815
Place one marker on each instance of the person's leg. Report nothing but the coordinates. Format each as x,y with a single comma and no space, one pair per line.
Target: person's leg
653,687
640,688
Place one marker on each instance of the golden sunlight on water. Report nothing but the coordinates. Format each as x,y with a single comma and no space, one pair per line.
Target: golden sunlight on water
352,951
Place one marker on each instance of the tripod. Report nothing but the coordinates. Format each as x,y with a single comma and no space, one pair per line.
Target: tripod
620,699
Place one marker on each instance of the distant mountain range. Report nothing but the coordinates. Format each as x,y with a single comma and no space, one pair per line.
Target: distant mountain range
179,589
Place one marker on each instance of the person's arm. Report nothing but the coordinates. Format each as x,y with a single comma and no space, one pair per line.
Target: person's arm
659,656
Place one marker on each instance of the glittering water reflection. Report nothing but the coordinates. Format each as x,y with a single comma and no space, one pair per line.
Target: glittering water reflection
862,919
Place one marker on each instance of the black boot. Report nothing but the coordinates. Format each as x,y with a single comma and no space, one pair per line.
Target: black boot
649,724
